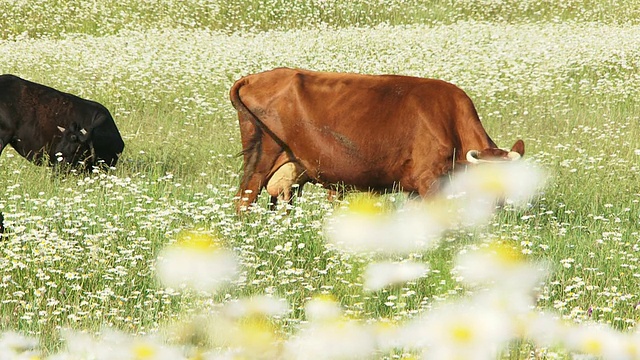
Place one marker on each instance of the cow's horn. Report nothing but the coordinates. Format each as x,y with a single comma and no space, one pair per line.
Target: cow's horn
83,131
472,156
61,129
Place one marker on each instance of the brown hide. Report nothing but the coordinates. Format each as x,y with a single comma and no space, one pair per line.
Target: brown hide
370,132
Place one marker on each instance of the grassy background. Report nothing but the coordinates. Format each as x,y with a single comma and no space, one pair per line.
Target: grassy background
53,18
80,249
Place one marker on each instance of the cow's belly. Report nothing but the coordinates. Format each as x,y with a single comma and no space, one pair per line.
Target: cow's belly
382,163
358,173
30,148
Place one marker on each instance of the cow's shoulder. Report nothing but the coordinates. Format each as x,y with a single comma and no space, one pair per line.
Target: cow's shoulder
9,83
10,78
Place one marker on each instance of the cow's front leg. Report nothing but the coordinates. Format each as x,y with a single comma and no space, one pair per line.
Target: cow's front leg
5,139
427,184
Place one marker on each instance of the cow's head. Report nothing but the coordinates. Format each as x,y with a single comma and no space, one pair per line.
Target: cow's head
75,147
496,154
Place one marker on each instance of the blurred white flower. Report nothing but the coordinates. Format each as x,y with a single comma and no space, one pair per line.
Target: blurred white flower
339,339
379,275
515,303
79,345
597,340
257,306
366,228
544,329
467,210
464,330
480,188
148,348
322,308
501,265
115,345
17,346
631,345
388,336
470,199
253,337
196,261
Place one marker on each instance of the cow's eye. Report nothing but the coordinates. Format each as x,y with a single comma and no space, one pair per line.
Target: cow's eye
74,138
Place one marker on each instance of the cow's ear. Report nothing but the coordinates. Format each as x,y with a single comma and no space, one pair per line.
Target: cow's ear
61,129
518,147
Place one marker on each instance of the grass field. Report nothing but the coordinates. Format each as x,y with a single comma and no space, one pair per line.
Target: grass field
79,256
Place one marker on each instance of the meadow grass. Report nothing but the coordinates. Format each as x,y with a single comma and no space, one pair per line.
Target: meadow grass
80,250
54,18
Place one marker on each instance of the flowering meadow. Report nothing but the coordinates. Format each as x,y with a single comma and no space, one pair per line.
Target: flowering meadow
150,261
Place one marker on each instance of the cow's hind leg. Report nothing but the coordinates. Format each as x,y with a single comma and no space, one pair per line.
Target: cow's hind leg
259,160
251,137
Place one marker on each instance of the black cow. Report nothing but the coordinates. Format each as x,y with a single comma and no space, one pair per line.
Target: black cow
42,124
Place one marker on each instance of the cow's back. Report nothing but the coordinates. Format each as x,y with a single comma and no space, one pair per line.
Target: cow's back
21,110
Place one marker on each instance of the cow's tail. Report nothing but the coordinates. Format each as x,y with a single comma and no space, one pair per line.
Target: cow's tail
251,152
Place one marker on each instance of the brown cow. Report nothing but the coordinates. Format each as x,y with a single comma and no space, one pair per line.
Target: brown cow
370,132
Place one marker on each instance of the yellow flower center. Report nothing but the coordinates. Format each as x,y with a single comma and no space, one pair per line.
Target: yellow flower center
197,241
492,185
506,254
593,346
462,333
257,334
492,179
632,349
143,351
325,297
365,205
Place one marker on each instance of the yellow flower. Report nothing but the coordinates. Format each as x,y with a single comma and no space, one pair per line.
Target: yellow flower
196,261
